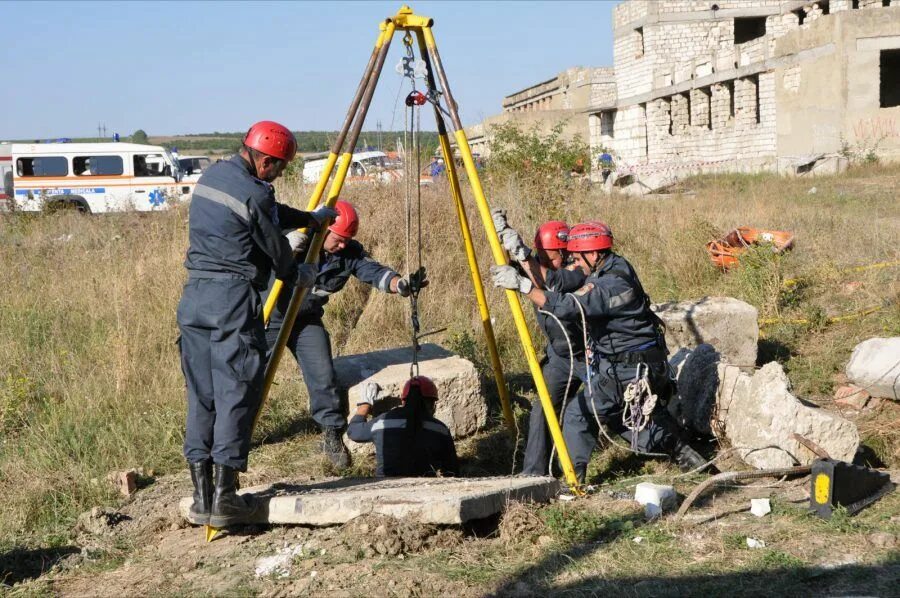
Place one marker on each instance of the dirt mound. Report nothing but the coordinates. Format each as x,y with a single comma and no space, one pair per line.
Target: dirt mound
384,535
520,522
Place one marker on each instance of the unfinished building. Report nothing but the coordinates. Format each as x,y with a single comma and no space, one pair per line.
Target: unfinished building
750,85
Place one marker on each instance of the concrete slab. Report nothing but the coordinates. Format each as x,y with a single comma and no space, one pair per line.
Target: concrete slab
445,501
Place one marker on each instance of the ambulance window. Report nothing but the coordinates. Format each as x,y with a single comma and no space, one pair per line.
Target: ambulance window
98,165
150,165
42,166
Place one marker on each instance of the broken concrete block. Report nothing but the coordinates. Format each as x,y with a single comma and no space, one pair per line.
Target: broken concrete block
754,411
730,325
760,507
760,411
875,366
850,396
124,481
656,498
461,405
444,501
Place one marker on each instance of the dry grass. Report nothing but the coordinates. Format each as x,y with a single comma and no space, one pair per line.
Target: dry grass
89,375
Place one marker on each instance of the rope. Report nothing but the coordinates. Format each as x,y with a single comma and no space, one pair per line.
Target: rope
639,403
562,408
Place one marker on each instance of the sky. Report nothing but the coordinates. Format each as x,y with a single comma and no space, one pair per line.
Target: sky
193,67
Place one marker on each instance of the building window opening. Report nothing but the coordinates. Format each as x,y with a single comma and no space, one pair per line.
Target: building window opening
754,81
854,5
639,42
889,72
885,3
825,8
801,16
749,28
729,86
607,124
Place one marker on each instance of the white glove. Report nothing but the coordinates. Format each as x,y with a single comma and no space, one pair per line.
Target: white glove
498,215
324,213
368,393
506,277
306,275
514,244
299,241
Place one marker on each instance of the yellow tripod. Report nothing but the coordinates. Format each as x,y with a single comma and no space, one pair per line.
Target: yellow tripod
406,20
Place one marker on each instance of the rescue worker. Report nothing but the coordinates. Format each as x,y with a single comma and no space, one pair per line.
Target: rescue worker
236,239
341,258
563,363
408,440
627,342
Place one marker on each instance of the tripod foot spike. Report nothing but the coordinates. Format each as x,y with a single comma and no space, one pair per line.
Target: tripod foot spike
211,533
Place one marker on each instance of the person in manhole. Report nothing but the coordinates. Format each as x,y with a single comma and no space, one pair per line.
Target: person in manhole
236,239
563,364
409,440
342,257
628,379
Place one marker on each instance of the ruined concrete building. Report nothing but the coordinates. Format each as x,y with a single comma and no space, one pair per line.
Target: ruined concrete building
750,85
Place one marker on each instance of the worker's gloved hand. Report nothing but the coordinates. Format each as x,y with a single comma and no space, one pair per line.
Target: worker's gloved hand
417,280
498,215
514,244
299,241
368,393
507,277
306,275
323,213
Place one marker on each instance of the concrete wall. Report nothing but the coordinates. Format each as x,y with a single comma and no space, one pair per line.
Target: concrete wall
570,89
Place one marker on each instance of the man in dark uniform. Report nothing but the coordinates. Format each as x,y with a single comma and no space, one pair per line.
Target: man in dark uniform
627,343
408,440
563,364
341,258
236,238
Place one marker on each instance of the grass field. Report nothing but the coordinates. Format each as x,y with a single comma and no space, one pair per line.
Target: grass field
90,381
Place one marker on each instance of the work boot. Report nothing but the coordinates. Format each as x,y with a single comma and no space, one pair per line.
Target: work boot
334,449
229,508
202,477
686,457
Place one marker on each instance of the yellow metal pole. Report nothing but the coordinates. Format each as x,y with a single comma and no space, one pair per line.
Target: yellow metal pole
336,147
500,259
456,192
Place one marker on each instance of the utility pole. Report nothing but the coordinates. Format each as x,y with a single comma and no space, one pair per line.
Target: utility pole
380,138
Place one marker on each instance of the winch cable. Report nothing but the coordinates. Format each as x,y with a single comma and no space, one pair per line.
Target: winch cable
562,407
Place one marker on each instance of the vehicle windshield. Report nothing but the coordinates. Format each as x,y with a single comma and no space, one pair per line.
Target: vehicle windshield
177,172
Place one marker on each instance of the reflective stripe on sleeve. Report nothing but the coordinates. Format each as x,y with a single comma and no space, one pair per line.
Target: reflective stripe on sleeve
220,197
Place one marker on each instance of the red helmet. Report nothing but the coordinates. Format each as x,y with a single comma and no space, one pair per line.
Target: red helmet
346,224
427,389
589,236
272,139
551,235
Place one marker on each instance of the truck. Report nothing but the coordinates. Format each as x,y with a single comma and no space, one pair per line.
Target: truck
95,177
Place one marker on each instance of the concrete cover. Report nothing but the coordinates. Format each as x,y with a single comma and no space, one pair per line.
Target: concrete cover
730,325
461,405
875,367
447,501
755,411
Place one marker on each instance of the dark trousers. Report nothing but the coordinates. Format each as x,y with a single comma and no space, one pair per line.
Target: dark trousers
311,345
540,443
604,400
222,350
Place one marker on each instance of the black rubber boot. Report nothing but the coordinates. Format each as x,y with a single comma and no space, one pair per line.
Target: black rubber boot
686,457
228,508
202,477
334,449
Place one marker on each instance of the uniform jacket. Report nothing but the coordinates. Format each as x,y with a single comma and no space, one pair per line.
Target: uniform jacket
562,281
235,228
616,307
400,453
335,269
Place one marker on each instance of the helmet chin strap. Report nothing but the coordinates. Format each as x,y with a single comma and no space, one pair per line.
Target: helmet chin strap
596,265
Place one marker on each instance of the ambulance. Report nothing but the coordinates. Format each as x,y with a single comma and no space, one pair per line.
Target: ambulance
95,177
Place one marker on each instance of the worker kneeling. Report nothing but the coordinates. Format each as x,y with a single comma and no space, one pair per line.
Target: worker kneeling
409,440
628,379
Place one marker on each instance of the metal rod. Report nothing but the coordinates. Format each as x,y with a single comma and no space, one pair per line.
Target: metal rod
466,231
499,256
312,256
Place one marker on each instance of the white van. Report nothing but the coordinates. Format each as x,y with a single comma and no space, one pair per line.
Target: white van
96,177
366,167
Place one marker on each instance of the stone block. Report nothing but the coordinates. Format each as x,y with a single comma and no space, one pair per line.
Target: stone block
730,325
442,501
460,406
850,396
754,411
875,366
